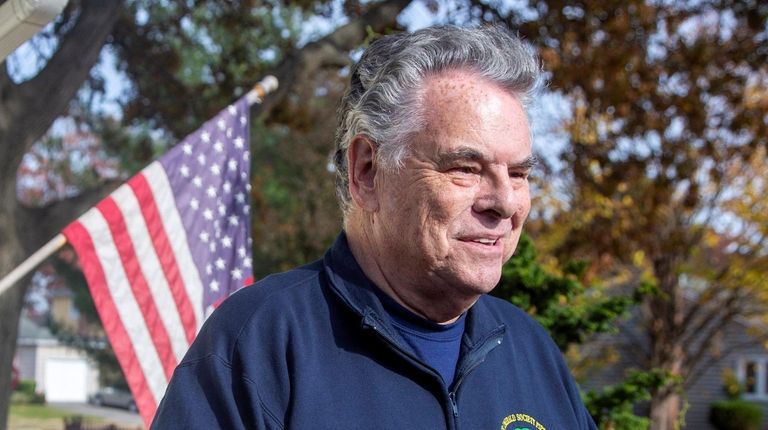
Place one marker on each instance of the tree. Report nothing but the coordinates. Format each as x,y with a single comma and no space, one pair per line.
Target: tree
27,110
668,99
559,299
189,52
148,39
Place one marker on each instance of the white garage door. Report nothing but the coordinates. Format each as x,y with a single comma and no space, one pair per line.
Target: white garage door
66,380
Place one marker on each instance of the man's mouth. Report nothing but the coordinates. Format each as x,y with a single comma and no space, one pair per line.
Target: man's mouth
485,241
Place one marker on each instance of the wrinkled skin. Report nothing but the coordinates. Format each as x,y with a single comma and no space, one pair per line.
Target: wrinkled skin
435,233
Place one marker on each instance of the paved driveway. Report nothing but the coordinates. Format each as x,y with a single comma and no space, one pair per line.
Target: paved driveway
120,417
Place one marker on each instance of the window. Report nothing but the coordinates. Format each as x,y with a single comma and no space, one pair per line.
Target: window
752,372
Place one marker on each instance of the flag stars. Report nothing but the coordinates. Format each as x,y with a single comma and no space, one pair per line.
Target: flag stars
229,133
194,204
205,137
187,148
243,120
247,263
241,251
221,124
201,159
226,242
227,187
234,220
204,236
211,192
212,246
216,169
239,142
246,155
197,181
222,209
218,146
214,285
240,197
220,263
184,169
232,110
208,214
236,273
232,165
208,269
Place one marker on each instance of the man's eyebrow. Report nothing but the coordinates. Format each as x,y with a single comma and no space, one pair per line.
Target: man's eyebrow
459,154
529,163
470,154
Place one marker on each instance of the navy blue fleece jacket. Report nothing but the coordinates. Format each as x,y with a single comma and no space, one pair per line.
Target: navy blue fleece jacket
313,348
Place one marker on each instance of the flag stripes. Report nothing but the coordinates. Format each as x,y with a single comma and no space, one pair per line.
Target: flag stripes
166,247
170,281
172,225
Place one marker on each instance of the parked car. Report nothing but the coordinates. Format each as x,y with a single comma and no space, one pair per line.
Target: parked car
115,397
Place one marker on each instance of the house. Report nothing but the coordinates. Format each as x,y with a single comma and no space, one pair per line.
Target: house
62,373
735,350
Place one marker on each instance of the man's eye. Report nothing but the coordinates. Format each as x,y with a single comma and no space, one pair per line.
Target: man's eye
465,169
518,175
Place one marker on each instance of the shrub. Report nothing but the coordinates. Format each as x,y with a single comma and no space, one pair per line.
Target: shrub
26,393
735,415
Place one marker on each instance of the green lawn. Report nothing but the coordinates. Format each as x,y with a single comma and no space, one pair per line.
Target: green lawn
39,417
37,411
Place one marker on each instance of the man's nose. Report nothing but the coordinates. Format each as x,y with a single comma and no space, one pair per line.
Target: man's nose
500,196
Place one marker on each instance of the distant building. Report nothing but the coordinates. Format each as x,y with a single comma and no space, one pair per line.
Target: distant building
735,350
62,373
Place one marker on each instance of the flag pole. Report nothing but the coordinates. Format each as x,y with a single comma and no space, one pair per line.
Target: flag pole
255,95
33,261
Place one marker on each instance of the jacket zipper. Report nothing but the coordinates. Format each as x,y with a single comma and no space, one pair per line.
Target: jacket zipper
479,357
374,326
485,347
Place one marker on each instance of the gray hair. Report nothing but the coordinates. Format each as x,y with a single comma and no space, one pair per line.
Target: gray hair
384,100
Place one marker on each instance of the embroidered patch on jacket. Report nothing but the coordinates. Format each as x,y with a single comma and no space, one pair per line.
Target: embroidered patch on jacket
521,422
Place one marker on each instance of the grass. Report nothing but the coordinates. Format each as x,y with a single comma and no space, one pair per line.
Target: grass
38,417
35,417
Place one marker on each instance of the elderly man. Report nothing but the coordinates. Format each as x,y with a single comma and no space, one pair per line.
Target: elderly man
393,329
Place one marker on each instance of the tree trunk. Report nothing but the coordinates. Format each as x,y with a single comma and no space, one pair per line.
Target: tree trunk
26,112
664,316
11,301
665,412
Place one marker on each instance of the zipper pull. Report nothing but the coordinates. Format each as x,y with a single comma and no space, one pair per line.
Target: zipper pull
454,407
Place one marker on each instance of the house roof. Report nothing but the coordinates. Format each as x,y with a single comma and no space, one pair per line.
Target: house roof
30,330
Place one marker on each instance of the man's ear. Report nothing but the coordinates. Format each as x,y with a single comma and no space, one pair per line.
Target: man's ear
362,173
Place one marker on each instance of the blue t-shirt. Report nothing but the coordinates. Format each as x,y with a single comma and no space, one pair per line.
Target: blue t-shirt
437,345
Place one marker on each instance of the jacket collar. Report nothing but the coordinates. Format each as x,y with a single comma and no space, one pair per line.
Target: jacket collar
350,283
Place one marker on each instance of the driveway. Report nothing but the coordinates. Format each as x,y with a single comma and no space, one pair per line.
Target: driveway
120,417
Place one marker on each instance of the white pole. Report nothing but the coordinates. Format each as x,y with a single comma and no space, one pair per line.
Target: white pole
33,261
255,95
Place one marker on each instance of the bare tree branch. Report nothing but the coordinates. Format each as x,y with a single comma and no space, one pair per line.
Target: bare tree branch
305,61
40,224
44,97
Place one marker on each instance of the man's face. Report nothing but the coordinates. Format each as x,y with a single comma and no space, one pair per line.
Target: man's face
453,215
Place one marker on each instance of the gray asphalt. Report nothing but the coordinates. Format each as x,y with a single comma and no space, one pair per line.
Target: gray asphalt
120,417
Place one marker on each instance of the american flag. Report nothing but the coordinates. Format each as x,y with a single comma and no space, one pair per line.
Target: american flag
167,247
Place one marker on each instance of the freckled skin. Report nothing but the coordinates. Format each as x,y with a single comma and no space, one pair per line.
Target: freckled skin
420,238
